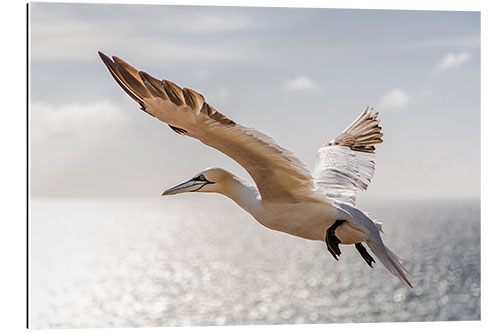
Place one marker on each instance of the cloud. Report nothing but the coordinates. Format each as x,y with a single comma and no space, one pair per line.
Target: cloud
453,60
300,83
202,74
394,99
471,41
63,33
217,96
66,48
202,22
72,120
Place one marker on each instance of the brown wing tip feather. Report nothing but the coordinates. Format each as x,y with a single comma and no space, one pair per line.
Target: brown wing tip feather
363,134
140,85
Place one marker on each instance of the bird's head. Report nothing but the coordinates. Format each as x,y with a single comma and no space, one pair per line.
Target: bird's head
209,180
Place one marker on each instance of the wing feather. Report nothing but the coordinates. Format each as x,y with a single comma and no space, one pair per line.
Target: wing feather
279,175
347,163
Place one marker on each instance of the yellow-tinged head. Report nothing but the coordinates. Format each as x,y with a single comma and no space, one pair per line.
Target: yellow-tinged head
209,180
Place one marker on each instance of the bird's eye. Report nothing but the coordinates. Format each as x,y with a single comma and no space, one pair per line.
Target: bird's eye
201,177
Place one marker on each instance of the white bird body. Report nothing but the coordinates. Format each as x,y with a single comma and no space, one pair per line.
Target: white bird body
306,219
286,197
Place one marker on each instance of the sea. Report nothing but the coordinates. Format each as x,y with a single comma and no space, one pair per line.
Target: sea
199,260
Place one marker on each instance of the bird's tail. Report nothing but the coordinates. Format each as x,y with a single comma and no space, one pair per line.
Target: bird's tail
388,259
374,241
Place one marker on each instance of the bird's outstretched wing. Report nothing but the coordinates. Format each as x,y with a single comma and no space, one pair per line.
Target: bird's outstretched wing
279,175
347,163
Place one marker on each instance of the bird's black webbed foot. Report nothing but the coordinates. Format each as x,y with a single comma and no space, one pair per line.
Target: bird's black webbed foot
362,250
332,241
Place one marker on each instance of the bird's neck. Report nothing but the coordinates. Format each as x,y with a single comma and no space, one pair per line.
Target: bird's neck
244,194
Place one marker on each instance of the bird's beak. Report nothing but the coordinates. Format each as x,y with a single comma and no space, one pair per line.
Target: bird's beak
189,186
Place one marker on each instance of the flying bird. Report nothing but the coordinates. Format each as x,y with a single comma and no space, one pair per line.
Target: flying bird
317,205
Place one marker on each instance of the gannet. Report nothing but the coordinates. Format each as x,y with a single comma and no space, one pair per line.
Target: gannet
286,197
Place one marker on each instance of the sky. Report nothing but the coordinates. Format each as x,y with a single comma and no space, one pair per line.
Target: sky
298,75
